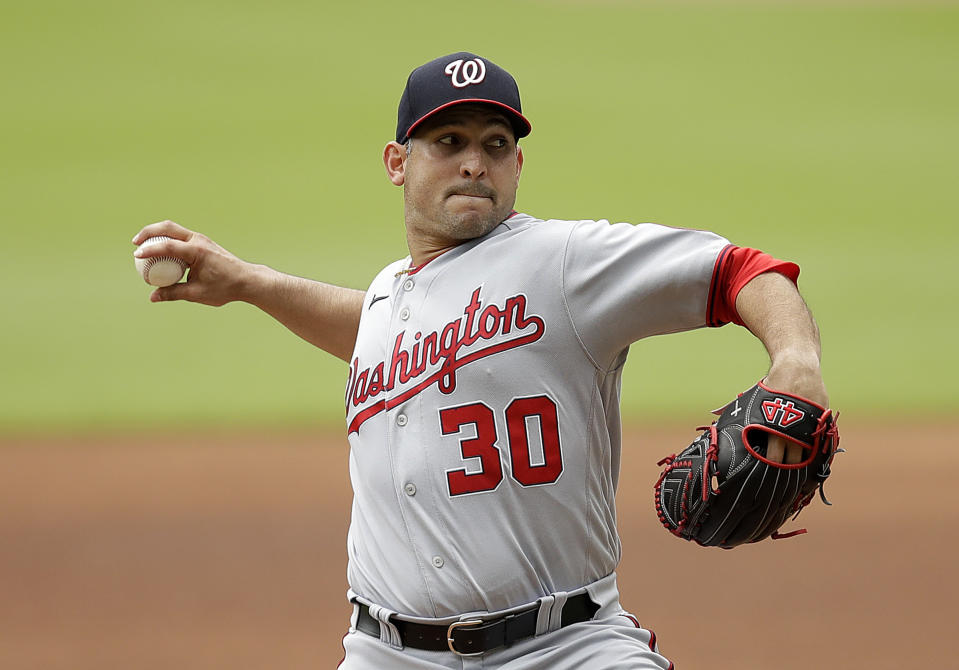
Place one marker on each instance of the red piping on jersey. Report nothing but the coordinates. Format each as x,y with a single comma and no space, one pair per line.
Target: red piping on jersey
735,267
413,269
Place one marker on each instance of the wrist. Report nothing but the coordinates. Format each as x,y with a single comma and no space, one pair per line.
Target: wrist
799,374
256,284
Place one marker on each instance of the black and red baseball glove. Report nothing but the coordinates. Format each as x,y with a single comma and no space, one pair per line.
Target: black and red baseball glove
722,491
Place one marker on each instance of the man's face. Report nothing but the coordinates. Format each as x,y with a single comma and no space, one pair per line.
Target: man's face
461,175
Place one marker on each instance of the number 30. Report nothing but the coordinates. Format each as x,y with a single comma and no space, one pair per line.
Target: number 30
483,446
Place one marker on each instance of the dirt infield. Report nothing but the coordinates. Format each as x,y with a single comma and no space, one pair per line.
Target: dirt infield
229,552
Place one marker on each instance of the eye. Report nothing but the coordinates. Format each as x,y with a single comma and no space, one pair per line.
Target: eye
448,140
499,142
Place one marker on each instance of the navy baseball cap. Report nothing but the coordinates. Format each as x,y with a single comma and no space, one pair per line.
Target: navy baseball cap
453,80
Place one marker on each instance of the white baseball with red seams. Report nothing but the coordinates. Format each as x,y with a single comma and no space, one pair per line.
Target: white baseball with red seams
163,271
483,416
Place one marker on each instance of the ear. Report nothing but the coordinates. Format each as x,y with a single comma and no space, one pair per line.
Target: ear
519,162
394,158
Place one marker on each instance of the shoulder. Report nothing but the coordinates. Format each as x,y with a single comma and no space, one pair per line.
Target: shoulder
521,221
642,240
527,226
596,228
600,236
588,238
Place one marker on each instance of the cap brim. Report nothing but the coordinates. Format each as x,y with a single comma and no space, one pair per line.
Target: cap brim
521,126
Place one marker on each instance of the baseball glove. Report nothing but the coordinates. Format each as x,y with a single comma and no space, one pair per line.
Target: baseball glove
722,491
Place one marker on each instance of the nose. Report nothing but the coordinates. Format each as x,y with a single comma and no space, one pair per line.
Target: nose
473,163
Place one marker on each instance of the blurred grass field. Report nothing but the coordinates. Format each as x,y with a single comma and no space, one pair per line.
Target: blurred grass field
825,133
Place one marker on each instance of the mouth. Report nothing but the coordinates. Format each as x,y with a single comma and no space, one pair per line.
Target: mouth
472,191
470,197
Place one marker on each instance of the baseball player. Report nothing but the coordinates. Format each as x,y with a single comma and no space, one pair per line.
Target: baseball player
482,400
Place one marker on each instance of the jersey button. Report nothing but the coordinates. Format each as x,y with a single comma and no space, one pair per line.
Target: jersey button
410,489
438,561
401,420
405,314
408,285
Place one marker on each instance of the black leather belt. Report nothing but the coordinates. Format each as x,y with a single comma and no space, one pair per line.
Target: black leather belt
473,637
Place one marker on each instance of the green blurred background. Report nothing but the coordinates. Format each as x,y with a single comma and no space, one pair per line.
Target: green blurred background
826,133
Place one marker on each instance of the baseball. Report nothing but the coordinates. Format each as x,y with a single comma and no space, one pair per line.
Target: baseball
162,271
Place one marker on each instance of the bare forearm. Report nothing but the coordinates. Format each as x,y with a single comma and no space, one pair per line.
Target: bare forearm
773,310
324,315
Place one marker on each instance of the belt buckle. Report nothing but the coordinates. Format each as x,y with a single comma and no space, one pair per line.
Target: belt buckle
460,624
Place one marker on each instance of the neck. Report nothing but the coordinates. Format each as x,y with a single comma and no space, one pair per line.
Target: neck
427,242
422,251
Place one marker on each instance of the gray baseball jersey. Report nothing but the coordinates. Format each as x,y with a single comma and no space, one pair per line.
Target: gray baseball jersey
483,408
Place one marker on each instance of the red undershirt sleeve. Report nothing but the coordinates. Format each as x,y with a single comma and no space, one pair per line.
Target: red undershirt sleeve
734,268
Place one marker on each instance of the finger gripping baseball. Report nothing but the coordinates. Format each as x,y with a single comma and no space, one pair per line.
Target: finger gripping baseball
160,271
723,491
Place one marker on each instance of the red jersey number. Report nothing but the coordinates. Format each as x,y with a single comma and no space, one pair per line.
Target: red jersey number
483,446
545,420
517,413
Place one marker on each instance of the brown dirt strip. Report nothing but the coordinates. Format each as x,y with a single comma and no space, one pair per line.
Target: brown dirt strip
229,552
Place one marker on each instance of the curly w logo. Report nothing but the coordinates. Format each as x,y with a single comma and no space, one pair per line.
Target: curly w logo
472,71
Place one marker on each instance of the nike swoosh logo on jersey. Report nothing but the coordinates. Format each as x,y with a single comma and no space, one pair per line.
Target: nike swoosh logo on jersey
376,299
